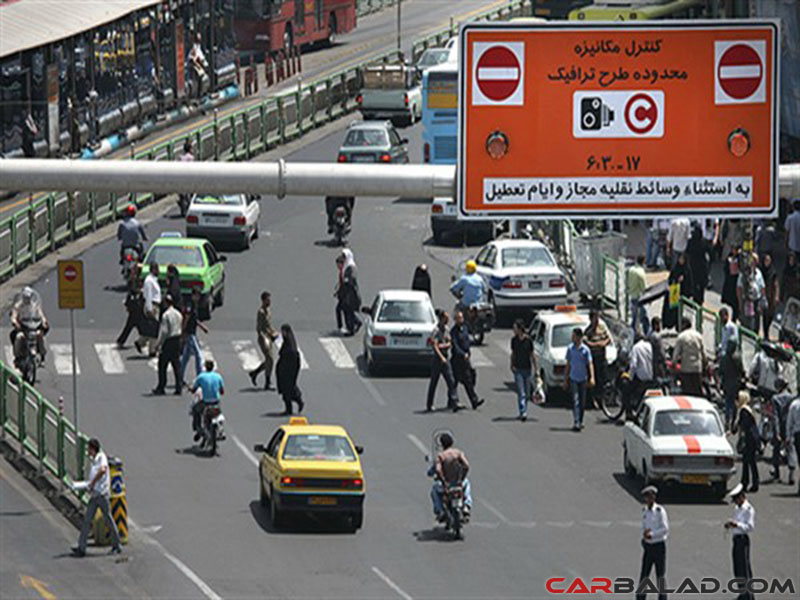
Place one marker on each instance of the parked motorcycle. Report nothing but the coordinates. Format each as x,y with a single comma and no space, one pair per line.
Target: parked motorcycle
212,428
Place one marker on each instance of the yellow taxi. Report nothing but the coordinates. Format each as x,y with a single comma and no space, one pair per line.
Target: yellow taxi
311,468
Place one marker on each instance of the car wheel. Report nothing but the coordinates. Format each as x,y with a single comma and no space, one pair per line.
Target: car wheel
263,499
645,475
719,489
438,234
275,514
255,231
356,520
219,298
626,464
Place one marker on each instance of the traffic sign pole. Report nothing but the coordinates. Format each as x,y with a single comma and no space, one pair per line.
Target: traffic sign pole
74,384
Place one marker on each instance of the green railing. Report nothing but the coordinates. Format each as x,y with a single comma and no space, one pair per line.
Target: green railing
57,219
41,431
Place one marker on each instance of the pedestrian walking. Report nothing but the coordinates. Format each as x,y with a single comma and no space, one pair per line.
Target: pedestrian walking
792,226
463,371
731,370
169,343
99,487
134,306
174,287
190,325
523,366
579,376
641,374
657,345
748,443
729,282
351,296
266,335
793,435
780,450
751,294
678,237
597,338
440,366
637,283
338,293
422,280
741,525
765,370
655,530
771,291
689,355
698,263
29,133
680,274
729,331
151,290
287,371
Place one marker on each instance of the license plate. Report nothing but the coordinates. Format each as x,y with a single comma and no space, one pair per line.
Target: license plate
322,501
695,479
216,219
363,159
534,285
405,341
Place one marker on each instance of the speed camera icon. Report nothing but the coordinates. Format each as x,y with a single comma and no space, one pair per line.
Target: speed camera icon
618,114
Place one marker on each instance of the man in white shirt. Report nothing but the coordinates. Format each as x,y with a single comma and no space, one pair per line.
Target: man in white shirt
764,371
151,290
641,371
99,488
793,432
169,343
655,529
678,237
729,330
742,523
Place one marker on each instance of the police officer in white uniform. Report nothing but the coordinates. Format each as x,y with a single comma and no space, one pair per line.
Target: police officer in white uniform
742,523
655,529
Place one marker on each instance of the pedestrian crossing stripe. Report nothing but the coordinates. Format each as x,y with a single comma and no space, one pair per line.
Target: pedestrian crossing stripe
478,358
62,358
338,353
110,358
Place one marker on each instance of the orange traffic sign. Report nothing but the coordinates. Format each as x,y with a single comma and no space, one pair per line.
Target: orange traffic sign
70,284
618,119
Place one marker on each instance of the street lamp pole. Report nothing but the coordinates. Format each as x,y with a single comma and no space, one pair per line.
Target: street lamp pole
399,47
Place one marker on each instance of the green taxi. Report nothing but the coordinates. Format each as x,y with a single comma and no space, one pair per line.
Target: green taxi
198,263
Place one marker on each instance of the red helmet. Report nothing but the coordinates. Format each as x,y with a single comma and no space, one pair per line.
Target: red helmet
130,211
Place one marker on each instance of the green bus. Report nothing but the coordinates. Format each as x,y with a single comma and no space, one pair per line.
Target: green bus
639,11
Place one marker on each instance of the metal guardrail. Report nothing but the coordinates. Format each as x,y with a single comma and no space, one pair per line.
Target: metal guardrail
57,219
41,431
367,7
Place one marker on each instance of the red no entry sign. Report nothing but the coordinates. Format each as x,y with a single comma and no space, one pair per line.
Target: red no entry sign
70,273
740,71
499,73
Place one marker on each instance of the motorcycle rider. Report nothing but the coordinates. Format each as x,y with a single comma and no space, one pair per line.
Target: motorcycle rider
26,309
451,467
213,387
334,202
469,289
130,233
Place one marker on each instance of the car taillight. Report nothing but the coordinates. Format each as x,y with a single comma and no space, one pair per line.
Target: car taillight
512,284
378,340
385,158
239,221
557,283
129,257
352,484
194,284
426,152
191,219
290,482
359,99
405,99
437,208
724,461
342,158
662,461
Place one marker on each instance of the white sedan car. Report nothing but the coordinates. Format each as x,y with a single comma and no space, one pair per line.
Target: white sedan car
226,218
551,332
398,328
678,439
521,274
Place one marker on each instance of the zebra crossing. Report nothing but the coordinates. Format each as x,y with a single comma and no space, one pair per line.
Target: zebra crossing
331,350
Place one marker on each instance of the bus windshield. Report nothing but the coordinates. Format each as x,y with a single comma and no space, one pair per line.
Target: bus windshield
439,114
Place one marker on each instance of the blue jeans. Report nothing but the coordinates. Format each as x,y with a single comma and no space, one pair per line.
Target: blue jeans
639,315
191,346
438,503
651,249
523,381
578,391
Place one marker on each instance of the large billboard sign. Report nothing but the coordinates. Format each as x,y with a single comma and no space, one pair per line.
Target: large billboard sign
625,119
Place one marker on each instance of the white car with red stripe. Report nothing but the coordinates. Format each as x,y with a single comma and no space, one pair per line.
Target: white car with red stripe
678,439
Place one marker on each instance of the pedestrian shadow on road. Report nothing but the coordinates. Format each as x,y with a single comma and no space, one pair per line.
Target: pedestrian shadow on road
279,414
667,494
435,534
300,523
329,243
193,451
116,288
511,419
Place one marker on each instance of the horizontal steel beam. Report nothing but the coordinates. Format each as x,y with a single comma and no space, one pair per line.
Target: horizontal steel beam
279,178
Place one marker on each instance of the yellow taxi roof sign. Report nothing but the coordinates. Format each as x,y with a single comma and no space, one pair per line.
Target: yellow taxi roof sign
298,421
566,308
653,393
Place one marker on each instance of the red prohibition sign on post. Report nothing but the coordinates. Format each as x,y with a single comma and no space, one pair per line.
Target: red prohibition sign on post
498,73
740,71
70,273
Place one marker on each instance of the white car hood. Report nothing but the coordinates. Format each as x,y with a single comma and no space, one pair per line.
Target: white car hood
716,445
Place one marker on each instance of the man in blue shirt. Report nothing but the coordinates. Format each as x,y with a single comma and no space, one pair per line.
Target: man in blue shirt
213,387
469,288
579,375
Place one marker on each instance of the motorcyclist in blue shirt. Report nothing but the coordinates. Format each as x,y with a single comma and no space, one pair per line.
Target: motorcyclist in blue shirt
469,288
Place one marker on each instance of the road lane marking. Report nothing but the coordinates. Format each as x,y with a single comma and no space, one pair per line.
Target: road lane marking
373,391
560,524
9,354
179,564
602,524
416,441
110,358
247,353
391,584
478,358
62,358
494,511
40,587
337,352
245,450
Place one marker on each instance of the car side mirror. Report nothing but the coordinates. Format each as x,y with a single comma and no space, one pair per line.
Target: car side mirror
253,197
259,448
223,259
404,141
360,449
366,310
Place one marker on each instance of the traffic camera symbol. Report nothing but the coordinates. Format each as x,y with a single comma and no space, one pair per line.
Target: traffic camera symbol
595,114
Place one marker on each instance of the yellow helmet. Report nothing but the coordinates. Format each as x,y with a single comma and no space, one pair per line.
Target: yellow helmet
471,267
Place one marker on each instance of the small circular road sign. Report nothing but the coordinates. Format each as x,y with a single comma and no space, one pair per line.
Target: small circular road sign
740,71
498,73
70,273
641,113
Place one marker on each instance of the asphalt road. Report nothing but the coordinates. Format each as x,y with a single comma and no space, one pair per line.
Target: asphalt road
548,502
